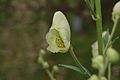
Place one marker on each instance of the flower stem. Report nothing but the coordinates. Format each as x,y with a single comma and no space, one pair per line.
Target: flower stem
47,69
109,71
99,25
50,74
111,35
77,61
108,44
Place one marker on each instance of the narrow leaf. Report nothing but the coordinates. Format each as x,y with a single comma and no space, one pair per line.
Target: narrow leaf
77,69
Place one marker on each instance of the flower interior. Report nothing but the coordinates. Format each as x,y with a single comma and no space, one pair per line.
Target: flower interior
59,40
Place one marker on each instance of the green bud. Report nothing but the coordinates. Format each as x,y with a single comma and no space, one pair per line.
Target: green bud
97,62
40,60
116,11
112,55
103,78
55,68
42,52
93,77
45,65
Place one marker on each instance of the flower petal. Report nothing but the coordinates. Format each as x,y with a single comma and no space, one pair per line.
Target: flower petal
59,35
60,22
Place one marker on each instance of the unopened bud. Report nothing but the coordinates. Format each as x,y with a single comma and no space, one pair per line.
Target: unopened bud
93,77
97,62
42,51
116,11
40,60
103,78
45,65
55,68
112,55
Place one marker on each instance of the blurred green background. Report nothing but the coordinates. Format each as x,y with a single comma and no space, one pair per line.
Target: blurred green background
23,26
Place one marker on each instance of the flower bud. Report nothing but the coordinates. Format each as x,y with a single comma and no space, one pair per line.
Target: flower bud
55,68
45,65
40,60
103,78
93,77
116,11
112,55
97,62
42,52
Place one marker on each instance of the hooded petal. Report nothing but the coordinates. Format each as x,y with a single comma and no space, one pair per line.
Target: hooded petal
60,23
58,37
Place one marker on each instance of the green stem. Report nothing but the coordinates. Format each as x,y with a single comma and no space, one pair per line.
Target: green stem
50,74
47,70
99,25
91,7
109,71
111,35
77,61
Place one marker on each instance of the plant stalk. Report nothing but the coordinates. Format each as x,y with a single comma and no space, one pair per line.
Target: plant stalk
111,35
50,74
99,25
109,71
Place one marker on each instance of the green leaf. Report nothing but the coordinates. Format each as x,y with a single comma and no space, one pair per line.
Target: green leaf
77,69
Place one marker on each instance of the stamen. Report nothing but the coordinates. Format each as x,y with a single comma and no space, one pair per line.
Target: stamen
60,42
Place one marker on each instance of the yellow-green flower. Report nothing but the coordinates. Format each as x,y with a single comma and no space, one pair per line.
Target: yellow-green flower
58,37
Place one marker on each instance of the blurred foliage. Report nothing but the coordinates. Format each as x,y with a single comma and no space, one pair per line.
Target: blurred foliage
2,17
23,25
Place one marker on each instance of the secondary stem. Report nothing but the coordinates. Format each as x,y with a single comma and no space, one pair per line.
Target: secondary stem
111,35
77,61
50,75
99,25
109,71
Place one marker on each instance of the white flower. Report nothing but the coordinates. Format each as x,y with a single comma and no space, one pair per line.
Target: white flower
58,37
116,11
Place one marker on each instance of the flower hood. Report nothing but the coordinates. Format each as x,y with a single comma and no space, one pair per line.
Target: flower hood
58,37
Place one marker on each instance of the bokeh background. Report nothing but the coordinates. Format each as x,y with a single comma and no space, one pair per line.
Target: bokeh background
23,26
